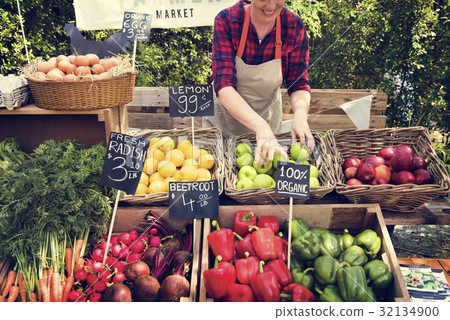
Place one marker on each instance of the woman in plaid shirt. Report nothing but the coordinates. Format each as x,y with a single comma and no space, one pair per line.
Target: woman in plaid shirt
256,49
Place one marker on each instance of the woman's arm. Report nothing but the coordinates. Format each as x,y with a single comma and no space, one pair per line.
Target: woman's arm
300,101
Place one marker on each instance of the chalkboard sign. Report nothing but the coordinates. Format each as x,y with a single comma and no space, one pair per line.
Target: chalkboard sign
124,160
292,180
136,26
193,200
191,101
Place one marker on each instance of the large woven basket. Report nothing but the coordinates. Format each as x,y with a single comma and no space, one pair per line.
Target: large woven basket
319,158
83,95
400,198
207,138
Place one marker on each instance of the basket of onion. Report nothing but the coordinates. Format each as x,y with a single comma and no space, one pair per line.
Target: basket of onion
82,82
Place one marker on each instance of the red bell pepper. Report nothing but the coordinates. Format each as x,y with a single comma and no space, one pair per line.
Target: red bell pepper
230,270
265,285
281,270
246,268
282,248
244,245
238,292
263,240
269,222
242,220
297,293
221,242
216,281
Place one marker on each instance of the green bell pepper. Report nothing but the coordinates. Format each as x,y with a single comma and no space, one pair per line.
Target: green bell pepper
354,256
378,274
330,294
306,246
329,244
347,240
369,241
295,263
325,268
303,277
299,227
318,231
352,282
370,297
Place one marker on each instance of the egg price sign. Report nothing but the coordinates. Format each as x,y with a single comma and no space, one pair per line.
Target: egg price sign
124,160
292,180
136,26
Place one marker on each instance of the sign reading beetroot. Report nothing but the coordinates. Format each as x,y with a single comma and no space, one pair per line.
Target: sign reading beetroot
292,180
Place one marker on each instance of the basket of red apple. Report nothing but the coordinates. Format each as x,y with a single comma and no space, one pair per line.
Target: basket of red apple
247,182
395,167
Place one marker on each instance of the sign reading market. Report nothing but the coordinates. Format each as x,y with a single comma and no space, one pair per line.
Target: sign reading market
104,14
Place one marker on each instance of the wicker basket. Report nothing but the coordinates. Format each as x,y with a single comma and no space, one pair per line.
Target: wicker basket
208,138
83,95
320,158
401,198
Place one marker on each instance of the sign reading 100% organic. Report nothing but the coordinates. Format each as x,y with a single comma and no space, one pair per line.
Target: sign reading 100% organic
292,180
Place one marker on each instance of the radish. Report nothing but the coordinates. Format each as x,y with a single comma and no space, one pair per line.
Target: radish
98,254
119,265
105,275
119,277
124,252
102,246
116,250
74,295
124,238
97,266
96,297
133,257
114,240
133,234
137,246
155,241
153,231
110,261
80,275
91,278
99,286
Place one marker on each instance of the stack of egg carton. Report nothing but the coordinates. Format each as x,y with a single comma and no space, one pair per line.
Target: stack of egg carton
14,92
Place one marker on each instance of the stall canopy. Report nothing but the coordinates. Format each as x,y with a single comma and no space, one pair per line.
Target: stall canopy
108,14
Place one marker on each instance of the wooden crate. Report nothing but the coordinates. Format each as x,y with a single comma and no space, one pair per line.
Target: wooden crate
150,109
33,125
334,217
127,218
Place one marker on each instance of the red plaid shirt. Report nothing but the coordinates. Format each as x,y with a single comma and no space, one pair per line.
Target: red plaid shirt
227,34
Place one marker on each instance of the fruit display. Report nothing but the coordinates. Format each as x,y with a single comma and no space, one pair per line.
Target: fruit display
88,67
251,175
249,262
167,161
392,164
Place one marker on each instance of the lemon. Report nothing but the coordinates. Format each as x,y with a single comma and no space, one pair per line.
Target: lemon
157,186
176,175
203,174
155,177
166,168
190,162
155,153
166,144
166,182
183,145
141,189
150,165
176,156
143,178
188,173
206,161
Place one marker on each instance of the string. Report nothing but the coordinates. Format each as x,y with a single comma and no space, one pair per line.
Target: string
23,32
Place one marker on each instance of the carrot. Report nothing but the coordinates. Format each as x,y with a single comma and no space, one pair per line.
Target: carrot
22,287
13,294
33,297
69,261
10,279
2,299
45,294
78,247
67,288
79,263
54,286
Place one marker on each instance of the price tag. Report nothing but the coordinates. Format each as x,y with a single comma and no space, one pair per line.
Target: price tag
292,180
124,161
136,26
193,200
191,101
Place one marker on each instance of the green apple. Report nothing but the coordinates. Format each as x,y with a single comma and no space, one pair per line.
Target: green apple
313,171
313,182
274,174
263,180
245,159
242,148
244,183
276,157
262,169
247,172
298,153
306,163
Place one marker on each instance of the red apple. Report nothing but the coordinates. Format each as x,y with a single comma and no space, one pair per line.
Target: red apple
384,172
386,153
379,181
423,176
354,182
403,147
366,173
351,162
402,160
419,163
402,177
375,160
350,172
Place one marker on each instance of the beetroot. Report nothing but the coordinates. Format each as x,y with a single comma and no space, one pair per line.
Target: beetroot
118,292
136,269
174,287
147,288
149,257
180,256
171,244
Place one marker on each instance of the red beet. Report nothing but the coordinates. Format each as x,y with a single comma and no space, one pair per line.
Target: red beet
118,292
136,269
147,288
174,287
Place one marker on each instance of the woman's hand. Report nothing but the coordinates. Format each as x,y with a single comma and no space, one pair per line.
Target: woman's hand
300,129
266,146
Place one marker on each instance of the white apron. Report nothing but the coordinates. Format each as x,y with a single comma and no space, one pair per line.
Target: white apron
259,85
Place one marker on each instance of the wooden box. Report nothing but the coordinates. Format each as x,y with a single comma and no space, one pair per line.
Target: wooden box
33,125
334,217
127,218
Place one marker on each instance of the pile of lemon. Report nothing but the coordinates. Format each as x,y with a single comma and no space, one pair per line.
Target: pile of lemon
166,163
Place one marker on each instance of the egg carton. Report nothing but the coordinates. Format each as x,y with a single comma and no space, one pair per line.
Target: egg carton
16,98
